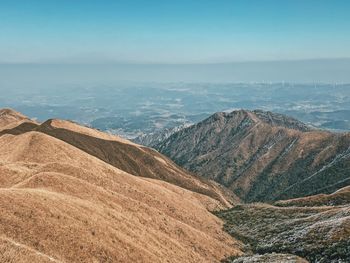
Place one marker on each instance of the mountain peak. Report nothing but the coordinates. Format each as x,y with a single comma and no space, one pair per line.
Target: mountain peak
241,118
255,116
260,155
8,112
276,119
10,118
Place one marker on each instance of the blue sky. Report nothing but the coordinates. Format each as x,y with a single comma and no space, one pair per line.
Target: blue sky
172,31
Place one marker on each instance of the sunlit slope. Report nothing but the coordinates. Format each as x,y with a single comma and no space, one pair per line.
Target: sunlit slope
59,203
125,155
10,118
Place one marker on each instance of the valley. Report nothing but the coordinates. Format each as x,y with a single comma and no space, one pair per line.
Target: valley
261,187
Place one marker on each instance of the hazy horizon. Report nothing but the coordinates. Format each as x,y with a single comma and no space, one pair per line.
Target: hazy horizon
297,71
50,42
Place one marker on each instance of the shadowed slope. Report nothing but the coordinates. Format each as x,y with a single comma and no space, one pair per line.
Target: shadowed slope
127,156
262,156
10,118
319,234
340,197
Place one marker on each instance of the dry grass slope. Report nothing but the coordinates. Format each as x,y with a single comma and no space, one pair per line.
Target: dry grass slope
127,156
59,203
10,119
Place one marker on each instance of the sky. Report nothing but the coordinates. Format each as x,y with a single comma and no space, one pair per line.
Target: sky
172,31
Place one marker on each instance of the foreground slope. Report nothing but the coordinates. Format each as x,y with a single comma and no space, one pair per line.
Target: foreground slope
61,204
262,156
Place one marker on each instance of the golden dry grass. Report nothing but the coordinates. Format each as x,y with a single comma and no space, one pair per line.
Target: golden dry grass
10,118
61,204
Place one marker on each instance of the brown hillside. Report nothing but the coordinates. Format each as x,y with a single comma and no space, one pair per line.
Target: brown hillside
125,155
61,204
10,118
132,158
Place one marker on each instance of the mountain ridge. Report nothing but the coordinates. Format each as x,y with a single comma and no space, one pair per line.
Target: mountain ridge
262,156
62,204
125,155
70,192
